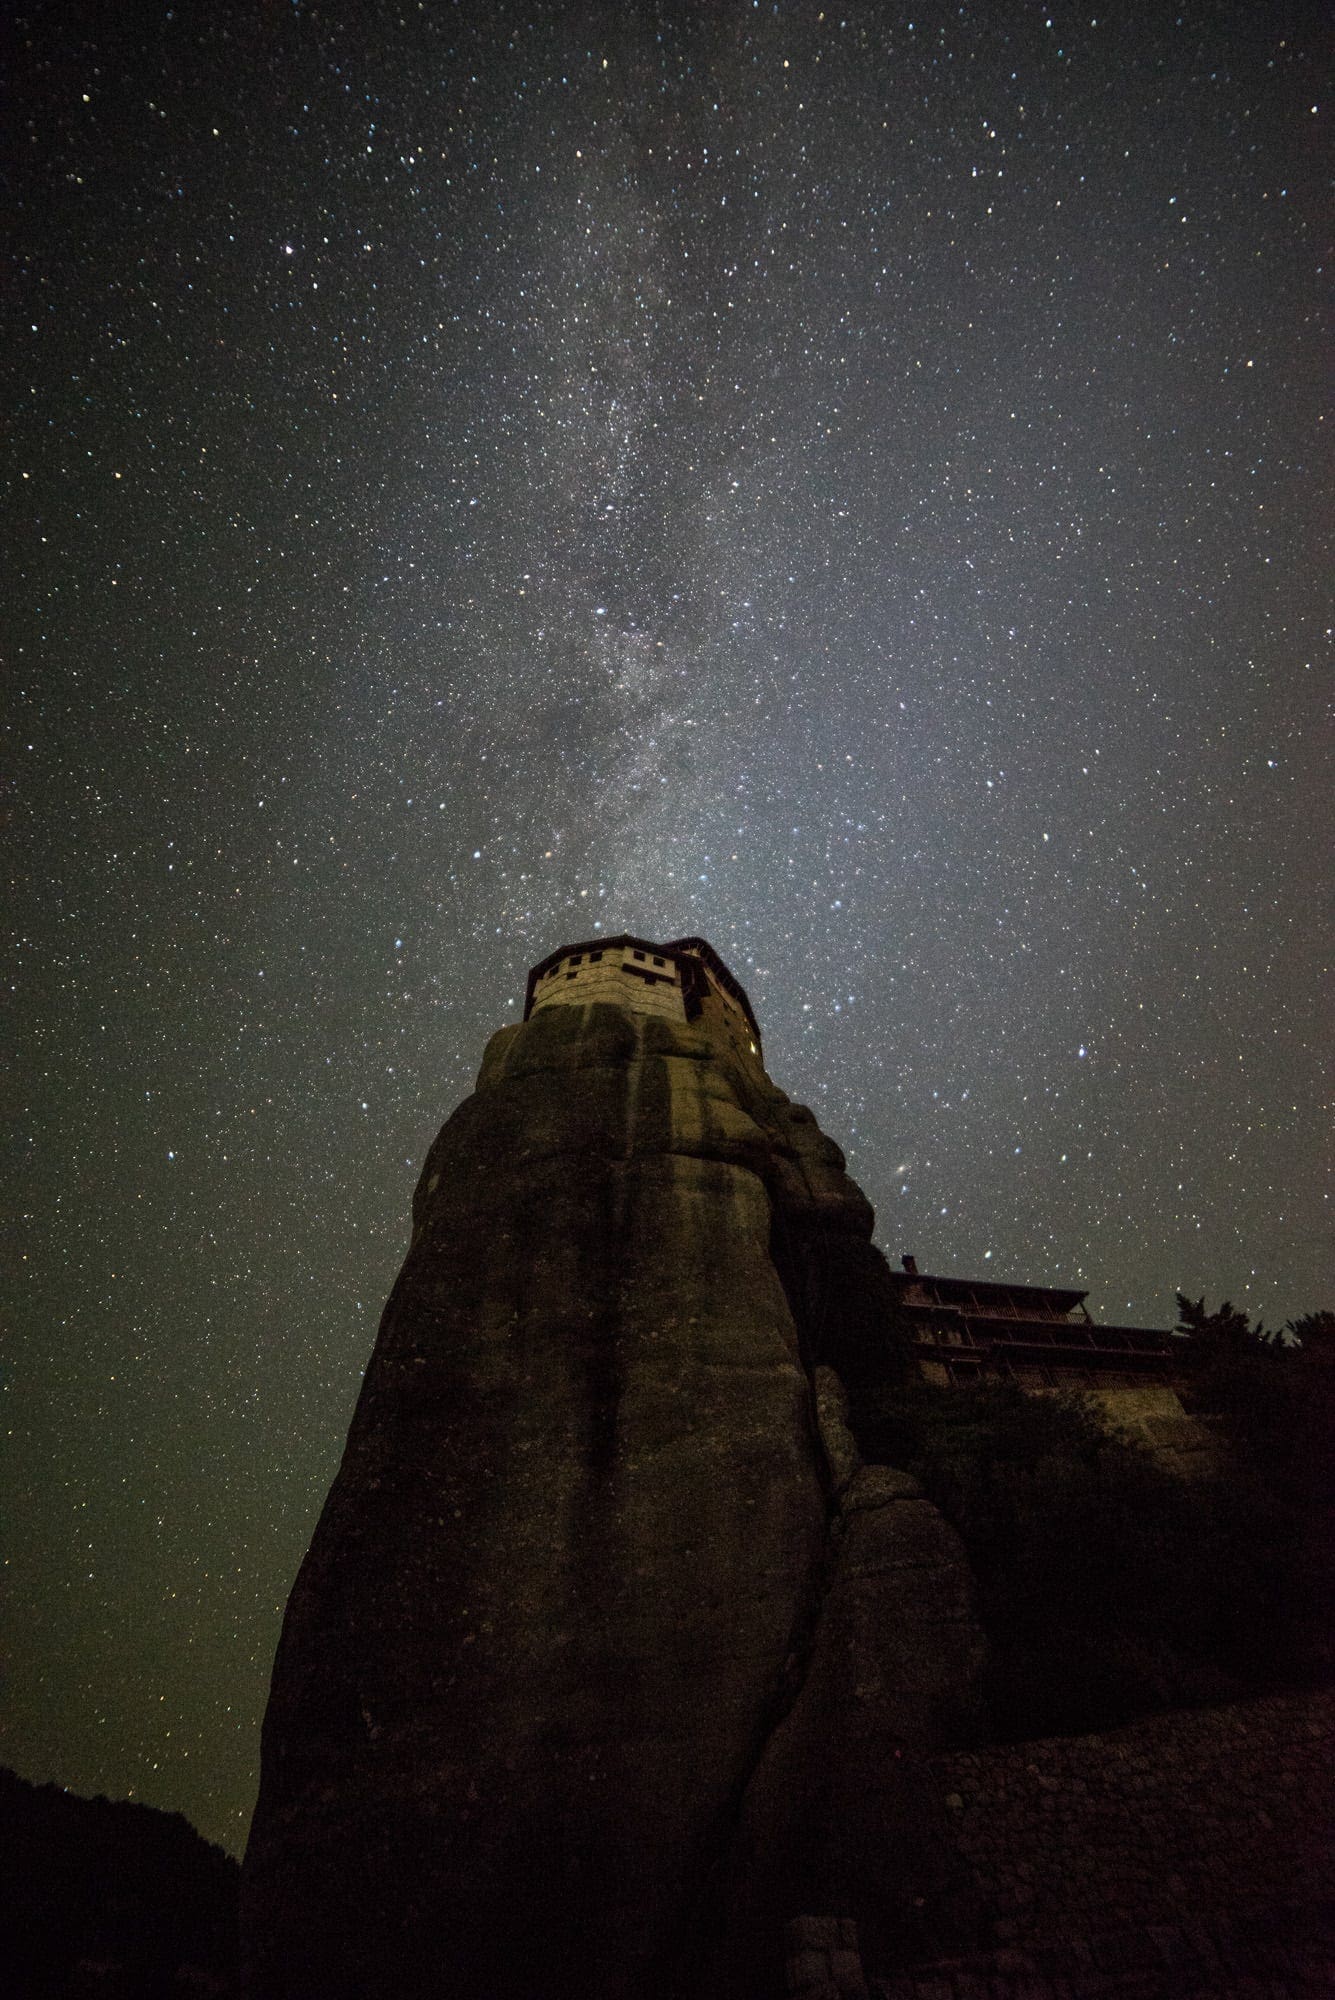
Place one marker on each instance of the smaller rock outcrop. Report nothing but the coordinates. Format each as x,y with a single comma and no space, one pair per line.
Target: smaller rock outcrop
841,1813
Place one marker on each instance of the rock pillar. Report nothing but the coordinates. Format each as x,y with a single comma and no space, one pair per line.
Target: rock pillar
561,1589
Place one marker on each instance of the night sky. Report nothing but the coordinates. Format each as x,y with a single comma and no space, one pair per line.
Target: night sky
844,483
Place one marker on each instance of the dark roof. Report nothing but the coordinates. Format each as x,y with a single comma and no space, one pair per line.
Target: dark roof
691,947
699,948
1057,1296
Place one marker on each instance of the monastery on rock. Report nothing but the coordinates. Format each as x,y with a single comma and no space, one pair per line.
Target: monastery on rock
612,1670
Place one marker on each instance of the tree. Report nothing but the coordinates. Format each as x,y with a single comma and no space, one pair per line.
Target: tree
1273,1393
1314,1335
1217,1334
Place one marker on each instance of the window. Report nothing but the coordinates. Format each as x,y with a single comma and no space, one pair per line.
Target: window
659,961
576,959
595,957
639,955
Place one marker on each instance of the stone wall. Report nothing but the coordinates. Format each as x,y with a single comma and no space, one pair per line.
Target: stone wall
1207,1809
1151,1415
1188,1857
1286,1953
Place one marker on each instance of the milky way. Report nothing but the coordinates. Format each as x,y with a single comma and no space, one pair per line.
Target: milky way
845,484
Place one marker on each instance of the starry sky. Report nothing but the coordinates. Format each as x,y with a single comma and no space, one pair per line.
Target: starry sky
846,483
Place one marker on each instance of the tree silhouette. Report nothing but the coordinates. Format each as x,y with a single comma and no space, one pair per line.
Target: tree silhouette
1314,1334
1215,1334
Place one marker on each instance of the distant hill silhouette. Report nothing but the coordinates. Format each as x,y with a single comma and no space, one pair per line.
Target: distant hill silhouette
111,1901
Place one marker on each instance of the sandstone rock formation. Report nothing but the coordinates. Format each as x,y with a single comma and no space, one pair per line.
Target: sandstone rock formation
554,1602
564,1589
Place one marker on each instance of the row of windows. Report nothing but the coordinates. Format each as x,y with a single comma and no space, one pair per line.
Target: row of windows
554,971
739,1028
1088,1339
595,957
